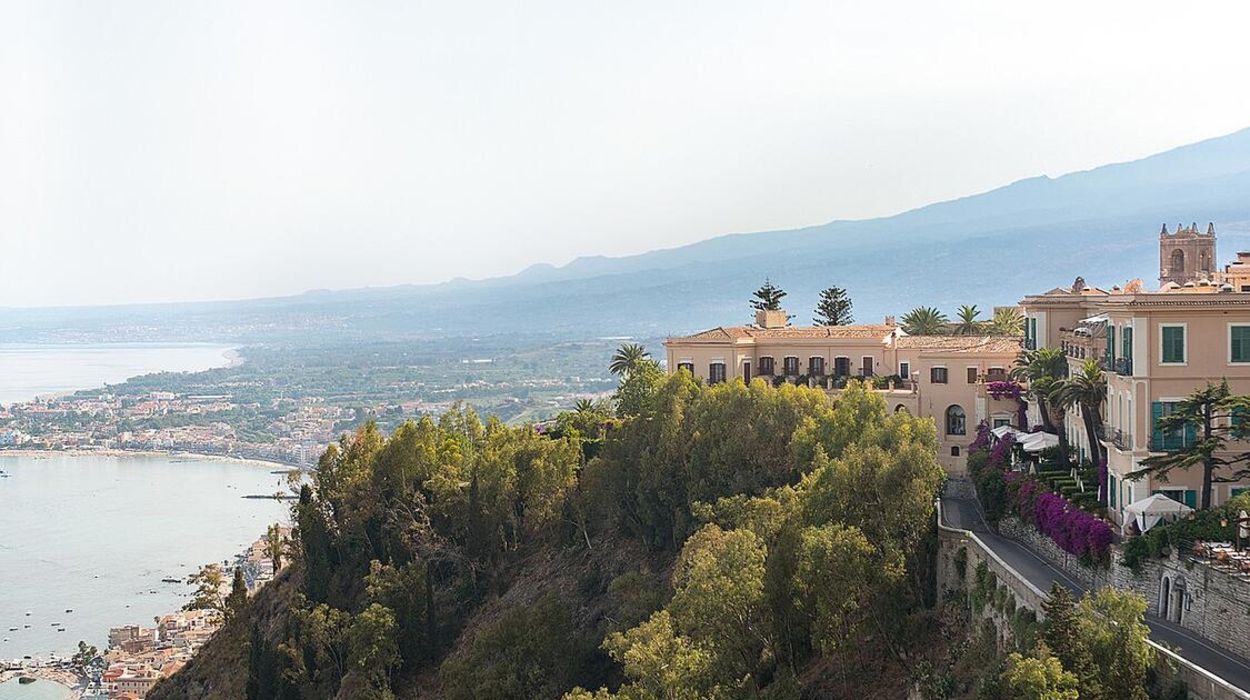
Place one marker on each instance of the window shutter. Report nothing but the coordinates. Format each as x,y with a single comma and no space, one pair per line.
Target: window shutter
1191,498
1110,345
1156,435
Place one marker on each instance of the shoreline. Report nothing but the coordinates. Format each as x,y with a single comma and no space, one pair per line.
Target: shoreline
33,453
73,682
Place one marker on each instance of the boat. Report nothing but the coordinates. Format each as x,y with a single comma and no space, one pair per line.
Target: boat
171,579
12,629
69,610
26,680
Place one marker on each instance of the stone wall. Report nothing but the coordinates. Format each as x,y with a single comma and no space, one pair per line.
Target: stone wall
1209,602
955,545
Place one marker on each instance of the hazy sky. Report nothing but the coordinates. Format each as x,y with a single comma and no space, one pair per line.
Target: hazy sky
176,150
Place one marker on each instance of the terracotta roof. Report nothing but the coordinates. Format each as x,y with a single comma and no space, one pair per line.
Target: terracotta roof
871,331
960,343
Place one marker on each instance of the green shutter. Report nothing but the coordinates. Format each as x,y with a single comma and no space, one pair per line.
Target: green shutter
1191,498
1110,345
1173,344
1239,338
1238,490
1156,435
1111,490
1128,347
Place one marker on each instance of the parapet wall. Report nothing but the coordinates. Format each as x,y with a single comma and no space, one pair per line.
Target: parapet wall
961,549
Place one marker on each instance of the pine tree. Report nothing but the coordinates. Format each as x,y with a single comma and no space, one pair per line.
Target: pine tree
237,600
834,308
768,297
1060,631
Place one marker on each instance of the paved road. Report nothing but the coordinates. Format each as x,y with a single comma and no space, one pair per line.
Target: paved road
965,514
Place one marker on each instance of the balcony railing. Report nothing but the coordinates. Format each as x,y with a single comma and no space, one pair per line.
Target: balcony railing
1121,439
1124,366
1030,344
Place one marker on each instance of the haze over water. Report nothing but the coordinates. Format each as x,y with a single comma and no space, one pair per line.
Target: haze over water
30,370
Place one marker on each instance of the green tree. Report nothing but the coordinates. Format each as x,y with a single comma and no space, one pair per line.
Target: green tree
1112,631
834,308
767,297
84,656
236,601
1086,390
1007,321
275,546
207,594
1060,630
372,653
660,663
1212,414
628,358
638,389
1039,676
968,323
924,320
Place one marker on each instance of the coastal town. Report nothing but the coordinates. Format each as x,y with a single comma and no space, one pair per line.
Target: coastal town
138,655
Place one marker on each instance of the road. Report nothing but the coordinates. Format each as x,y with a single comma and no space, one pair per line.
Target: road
965,514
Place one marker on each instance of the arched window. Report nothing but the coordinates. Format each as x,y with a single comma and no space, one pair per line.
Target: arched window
955,451
1178,261
901,409
956,421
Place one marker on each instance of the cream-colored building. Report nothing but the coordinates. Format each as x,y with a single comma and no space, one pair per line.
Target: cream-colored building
1156,348
938,377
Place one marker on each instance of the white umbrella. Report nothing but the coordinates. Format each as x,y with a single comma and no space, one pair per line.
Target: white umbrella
1002,430
1150,510
1036,442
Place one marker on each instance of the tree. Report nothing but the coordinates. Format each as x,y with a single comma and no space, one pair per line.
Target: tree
1059,629
237,600
1112,631
660,663
628,358
84,656
1043,369
767,298
372,650
834,308
1086,390
1039,676
924,320
1007,321
1204,421
968,323
637,389
208,582
274,546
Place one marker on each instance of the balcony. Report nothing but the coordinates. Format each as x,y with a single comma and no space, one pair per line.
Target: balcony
1121,439
1123,366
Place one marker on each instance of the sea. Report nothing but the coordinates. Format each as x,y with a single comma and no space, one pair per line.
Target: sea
85,541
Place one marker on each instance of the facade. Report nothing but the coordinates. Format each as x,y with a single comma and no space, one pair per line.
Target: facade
939,377
1155,348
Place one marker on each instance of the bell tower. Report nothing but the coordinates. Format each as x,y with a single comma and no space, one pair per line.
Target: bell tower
1187,255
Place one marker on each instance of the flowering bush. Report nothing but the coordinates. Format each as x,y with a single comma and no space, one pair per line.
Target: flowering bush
1000,454
1076,532
1004,389
982,439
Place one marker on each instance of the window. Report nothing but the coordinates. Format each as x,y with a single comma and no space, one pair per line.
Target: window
792,366
716,373
937,375
1109,360
996,374
972,375
1165,440
1126,347
866,366
1187,496
746,371
955,451
955,421
1173,340
904,370
816,366
1000,422
841,366
1112,489
688,366
766,366
1239,343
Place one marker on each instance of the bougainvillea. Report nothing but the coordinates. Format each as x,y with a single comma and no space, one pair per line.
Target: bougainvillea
1076,532
1000,454
1004,389
982,439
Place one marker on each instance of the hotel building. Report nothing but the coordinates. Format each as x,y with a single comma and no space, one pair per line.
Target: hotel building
939,377
1156,348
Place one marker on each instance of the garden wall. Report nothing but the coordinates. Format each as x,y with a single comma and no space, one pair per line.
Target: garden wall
1216,605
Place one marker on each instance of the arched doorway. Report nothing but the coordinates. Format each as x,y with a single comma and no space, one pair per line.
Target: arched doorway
1165,596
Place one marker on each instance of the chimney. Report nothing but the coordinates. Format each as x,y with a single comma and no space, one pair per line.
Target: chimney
771,319
889,321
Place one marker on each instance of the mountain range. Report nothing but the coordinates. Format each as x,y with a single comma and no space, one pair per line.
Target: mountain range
986,249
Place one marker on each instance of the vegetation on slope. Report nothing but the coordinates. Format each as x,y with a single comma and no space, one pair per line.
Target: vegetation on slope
723,541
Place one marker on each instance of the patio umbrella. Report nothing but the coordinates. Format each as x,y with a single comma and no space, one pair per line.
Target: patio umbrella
1150,510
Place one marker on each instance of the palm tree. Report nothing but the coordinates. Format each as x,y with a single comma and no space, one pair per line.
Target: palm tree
584,406
1086,389
924,320
1043,369
968,323
627,359
1007,321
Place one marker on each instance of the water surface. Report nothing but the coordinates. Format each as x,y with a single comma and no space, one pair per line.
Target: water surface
97,534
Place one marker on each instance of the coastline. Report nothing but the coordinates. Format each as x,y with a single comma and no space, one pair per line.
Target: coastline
118,452
71,681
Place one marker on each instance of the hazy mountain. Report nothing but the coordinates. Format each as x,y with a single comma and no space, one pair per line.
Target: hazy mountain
989,248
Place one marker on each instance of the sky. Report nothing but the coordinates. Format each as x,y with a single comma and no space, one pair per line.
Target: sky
171,151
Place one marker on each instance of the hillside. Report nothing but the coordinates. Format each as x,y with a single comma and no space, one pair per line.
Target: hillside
1029,235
